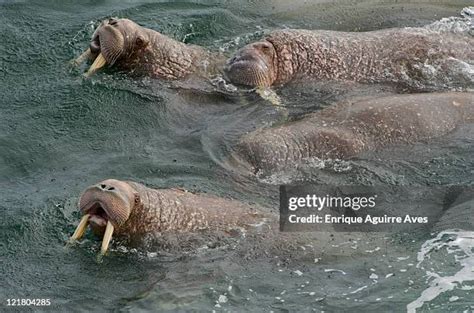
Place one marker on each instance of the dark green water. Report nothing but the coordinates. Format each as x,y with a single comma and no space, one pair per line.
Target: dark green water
60,133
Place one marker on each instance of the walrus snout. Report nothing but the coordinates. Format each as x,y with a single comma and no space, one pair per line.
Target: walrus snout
105,206
108,40
107,44
110,200
252,65
107,26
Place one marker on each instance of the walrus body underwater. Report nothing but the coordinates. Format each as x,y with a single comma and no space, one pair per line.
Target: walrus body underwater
346,129
417,57
127,46
129,208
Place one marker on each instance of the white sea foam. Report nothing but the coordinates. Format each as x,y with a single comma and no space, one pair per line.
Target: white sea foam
359,289
457,243
463,24
330,270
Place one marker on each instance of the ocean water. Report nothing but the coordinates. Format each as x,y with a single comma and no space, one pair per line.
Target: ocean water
60,132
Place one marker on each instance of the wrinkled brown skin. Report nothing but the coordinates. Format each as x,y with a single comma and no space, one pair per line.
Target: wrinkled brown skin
349,128
130,47
137,210
393,55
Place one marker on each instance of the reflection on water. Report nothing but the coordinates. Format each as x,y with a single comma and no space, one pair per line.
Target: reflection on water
60,133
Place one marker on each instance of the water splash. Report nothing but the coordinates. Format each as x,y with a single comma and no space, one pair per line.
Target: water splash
457,243
458,25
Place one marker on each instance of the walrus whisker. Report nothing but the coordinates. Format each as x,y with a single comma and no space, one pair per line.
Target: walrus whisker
84,56
258,77
113,57
80,229
109,230
99,62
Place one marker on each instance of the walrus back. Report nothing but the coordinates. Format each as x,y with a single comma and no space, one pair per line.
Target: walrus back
394,55
176,210
349,128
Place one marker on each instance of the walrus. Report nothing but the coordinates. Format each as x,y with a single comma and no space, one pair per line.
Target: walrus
129,208
346,129
415,57
127,46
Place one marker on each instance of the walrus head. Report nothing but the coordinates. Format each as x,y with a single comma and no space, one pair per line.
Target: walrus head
253,65
106,207
114,39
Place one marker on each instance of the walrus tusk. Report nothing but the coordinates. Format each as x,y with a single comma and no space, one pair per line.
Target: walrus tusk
107,237
84,56
98,63
80,229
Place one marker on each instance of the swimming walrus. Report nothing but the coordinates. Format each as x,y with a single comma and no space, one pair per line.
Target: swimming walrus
346,129
132,209
415,57
127,46
129,209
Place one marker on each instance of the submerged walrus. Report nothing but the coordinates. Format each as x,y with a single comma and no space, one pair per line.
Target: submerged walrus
127,46
129,208
411,56
347,129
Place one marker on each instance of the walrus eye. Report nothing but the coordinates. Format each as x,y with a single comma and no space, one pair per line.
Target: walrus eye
140,42
265,48
113,21
137,199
